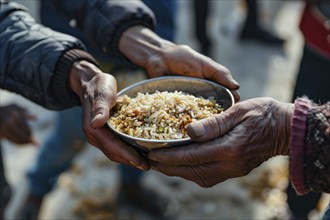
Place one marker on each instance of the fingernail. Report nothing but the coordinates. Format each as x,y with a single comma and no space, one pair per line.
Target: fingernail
97,116
198,129
155,168
131,162
97,121
235,82
138,167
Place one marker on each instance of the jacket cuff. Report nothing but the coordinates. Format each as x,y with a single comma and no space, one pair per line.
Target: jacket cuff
115,18
60,86
298,145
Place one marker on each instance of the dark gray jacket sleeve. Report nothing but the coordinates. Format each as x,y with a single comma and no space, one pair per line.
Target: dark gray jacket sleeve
34,60
104,21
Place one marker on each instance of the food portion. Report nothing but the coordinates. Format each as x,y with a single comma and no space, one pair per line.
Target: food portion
161,115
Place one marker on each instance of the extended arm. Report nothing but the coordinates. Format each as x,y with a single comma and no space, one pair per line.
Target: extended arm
52,70
124,30
34,60
240,139
104,21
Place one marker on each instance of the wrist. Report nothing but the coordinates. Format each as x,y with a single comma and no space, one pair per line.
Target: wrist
288,112
140,45
281,123
61,86
81,72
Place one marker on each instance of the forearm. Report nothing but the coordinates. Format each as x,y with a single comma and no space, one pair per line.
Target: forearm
29,57
140,44
64,85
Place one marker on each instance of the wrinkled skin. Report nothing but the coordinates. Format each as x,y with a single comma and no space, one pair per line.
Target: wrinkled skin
14,125
229,145
160,57
98,91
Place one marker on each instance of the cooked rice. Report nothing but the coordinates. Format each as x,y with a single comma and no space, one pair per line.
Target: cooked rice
161,115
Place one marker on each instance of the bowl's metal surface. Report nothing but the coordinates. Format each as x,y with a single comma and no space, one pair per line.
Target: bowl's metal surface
195,86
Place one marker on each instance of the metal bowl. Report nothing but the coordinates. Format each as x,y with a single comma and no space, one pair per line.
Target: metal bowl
193,86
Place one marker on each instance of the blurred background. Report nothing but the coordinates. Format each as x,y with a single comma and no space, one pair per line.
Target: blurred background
263,68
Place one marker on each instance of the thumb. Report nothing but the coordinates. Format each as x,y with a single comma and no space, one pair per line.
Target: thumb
99,113
214,126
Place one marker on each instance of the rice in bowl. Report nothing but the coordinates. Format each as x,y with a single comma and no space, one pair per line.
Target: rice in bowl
160,115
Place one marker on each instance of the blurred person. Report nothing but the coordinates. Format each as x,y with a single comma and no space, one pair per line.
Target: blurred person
201,13
252,28
14,127
53,70
233,143
60,148
313,80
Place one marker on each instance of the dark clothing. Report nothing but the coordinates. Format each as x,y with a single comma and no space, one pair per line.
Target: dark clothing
165,11
4,188
326,215
317,171
30,54
113,18
201,12
52,17
301,205
252,20
313,80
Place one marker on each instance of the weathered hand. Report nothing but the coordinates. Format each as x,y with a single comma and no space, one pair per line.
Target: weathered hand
14,124
232,143
160,57
98,94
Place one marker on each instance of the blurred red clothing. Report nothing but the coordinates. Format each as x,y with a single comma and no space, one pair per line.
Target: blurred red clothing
315,27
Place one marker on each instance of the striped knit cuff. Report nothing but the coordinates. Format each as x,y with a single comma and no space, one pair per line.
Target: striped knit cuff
298,146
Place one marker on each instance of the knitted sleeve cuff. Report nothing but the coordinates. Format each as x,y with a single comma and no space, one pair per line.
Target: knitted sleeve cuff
60,89
297,145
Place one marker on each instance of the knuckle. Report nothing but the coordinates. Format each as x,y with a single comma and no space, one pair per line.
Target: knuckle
205,184
185,47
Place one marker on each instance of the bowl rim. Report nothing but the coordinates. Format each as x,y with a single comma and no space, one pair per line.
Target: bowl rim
176,77
150,140
158,79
